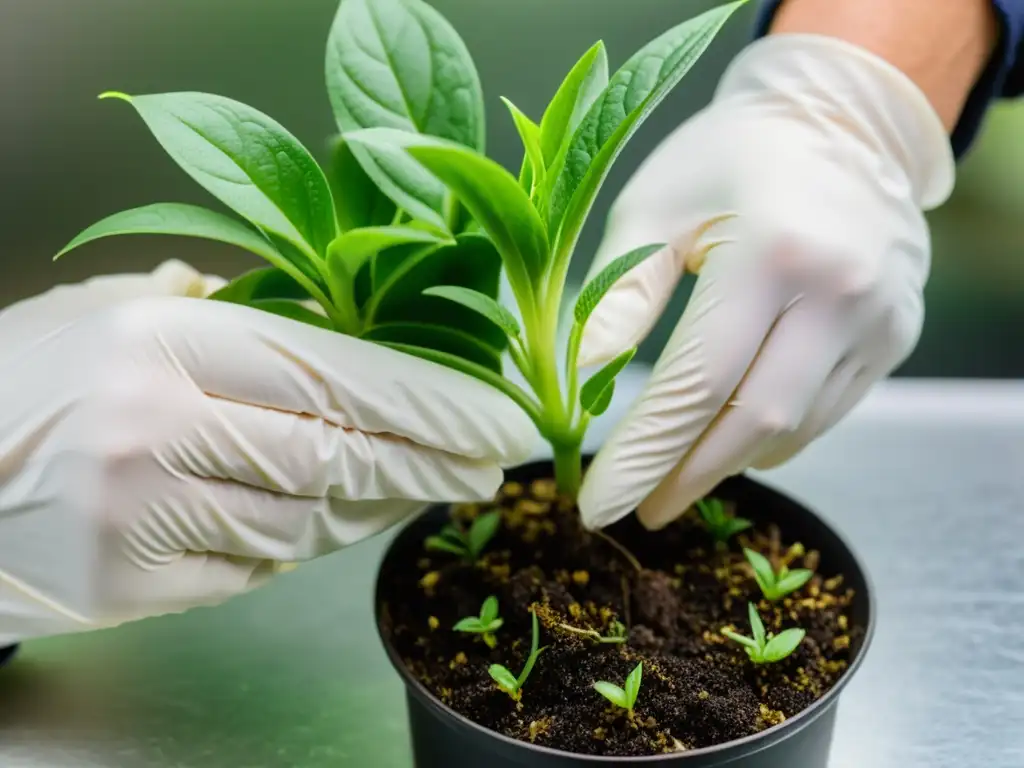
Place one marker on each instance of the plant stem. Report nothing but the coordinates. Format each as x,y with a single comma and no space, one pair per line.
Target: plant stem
568,465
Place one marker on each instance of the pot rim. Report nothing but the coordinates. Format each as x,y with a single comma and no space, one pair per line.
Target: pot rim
755,742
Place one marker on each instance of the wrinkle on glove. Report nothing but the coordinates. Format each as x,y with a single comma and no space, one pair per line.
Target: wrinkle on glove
798,197
159,452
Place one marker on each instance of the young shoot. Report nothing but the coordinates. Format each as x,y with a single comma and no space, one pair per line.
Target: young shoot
625,697
508,682
774,585
467,544
720,524
485,625
535,220
764,648
617,633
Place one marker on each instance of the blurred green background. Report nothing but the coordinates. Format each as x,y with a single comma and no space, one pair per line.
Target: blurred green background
68,159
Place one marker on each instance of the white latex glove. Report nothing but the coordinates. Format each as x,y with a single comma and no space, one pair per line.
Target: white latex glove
797,195
159,452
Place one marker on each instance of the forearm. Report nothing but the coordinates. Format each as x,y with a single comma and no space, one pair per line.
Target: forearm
942,45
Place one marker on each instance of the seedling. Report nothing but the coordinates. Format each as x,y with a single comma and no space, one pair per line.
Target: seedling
485,625
617,633
774,585
764,648
402,240
625,697
720,524
467,544
508,682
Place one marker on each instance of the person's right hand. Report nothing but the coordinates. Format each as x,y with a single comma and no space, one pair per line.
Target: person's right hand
159,452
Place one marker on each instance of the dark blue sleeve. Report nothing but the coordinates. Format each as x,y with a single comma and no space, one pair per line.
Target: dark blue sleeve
1004,77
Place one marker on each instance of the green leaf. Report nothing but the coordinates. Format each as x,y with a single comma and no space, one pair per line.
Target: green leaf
756,625
440,338
600,386
632,94
763,571
581,87
262,283
735,525
613,693
246,160
438,544
359,245
489,610
400,64
741,639
602,282
471,624
529,134
783,644
292,310
505,679
358,202
480,303
793,580
632,687
712,511
482,531
490,193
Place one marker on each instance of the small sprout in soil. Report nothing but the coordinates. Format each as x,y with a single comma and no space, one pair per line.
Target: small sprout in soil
466,544
508,682
776,585
617,633
763,648
623,698
721,525
485,625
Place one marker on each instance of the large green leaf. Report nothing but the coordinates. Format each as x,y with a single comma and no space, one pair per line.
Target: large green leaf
491,194
603,281
578,92
293,311
439,338
400,64
358,202
248,161
480,303
258,284
355,247
633,93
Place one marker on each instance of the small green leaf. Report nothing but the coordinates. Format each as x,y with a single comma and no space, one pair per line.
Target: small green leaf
593,392
712,511
613,693
735,525
358,202
783,644
505,679
262,283
632,687
293,311
578,91
596,289
400,64
438,544
495,625
489,610
756,625
529,134
471,624
763,571
246,160
741,639
482,531
793,580
480,303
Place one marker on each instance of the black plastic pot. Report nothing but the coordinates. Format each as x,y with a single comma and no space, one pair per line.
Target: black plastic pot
441,738
6,654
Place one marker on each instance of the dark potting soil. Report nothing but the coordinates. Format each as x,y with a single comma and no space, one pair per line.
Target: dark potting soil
699,688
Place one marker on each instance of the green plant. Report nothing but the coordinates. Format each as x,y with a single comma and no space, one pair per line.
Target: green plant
774,585
764,648
617,633
485,625
535,220
508,682
468,543
720,524
625,697
347,249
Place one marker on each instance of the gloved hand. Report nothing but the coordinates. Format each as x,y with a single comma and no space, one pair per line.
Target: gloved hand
159,452
797,195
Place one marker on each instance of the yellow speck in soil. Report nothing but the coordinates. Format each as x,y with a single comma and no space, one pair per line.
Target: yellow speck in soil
834,583
537,727
532,508
433,623
429,581
581,577
680,570
841,643
424,563
703,695
843,623
459,660
814,590
576,610
600,733
771,716
512,489
468,511
545,490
